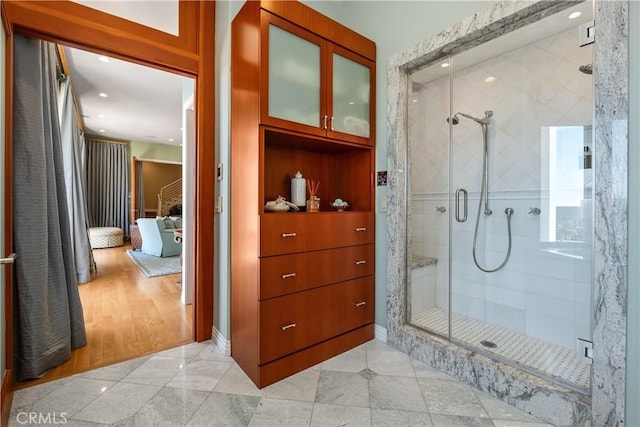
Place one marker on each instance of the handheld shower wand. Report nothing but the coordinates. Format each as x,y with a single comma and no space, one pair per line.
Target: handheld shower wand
484,192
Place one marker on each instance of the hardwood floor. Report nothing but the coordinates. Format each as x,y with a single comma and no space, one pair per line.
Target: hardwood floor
126,315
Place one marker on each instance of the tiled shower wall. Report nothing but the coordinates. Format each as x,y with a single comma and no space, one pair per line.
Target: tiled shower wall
545,288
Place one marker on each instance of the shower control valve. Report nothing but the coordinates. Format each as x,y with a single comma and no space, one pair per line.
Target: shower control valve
441,209
534,211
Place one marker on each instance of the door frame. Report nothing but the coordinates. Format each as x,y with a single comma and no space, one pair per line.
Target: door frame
191,54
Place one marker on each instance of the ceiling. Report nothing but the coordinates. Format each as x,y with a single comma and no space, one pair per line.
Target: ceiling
142,104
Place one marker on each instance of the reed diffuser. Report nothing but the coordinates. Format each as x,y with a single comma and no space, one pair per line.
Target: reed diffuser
313,204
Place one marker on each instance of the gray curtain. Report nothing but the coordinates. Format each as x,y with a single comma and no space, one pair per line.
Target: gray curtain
48,320
140,189
108,185
74,156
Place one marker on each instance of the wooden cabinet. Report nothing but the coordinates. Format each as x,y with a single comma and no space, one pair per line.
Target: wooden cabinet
302,284
286,274
297,321
314,85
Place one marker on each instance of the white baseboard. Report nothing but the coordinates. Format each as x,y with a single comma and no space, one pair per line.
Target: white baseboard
379,333
221,342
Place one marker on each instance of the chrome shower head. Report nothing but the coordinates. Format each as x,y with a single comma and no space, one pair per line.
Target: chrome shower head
483,121
454,120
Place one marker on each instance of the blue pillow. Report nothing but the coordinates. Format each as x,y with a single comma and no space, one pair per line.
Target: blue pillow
160,223
177,221
168,223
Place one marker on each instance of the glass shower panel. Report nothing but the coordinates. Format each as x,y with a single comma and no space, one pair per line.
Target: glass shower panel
428,199
521,149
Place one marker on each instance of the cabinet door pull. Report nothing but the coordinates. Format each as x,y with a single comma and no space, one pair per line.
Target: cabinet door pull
359,304
290,325
288,275
358,229
324,120
331,121
361,262
288,234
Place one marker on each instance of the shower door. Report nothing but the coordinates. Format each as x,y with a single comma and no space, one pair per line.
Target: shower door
428,198
500,199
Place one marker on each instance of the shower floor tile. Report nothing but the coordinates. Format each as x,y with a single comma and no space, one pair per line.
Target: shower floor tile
552,360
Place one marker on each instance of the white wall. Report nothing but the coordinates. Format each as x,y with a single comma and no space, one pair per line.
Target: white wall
225,12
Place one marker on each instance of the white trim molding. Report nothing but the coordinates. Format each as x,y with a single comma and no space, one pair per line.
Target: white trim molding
220,341
379,333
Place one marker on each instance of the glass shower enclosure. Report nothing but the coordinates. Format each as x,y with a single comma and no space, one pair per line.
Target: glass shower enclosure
499,201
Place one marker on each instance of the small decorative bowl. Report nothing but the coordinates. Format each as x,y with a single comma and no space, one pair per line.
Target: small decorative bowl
340,205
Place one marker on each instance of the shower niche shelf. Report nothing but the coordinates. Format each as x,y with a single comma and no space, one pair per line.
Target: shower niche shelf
343,169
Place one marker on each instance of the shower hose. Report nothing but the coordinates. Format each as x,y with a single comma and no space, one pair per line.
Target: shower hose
507,211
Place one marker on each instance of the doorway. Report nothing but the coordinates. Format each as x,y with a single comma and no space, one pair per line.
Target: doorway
191,53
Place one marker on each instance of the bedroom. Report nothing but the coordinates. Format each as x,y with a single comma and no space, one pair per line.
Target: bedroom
129,308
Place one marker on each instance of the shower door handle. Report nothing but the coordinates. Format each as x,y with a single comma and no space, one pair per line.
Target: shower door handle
463,192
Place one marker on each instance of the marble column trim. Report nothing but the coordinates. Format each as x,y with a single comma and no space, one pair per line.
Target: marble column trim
609,304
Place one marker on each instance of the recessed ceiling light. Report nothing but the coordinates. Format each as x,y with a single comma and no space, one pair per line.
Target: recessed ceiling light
574,15
102,116
102,130
490,79
103,95
414,100
444,64
103,58
170,139
351,103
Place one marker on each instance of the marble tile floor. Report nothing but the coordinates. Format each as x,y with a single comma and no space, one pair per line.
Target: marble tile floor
196,385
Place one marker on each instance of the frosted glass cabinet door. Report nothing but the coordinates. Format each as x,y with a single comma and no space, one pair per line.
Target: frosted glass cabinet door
351,96
294,78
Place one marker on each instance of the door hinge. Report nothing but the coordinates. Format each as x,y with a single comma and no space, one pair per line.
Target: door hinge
585,351
586,33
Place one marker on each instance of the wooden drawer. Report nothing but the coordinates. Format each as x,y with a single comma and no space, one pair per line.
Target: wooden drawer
293,322
286,274
300,232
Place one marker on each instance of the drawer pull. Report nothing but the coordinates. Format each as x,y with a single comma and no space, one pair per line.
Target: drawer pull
288,234
358,229
361,262
290,325
360,304
288,275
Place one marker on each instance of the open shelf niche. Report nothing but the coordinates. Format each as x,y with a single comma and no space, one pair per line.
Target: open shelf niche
344,170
